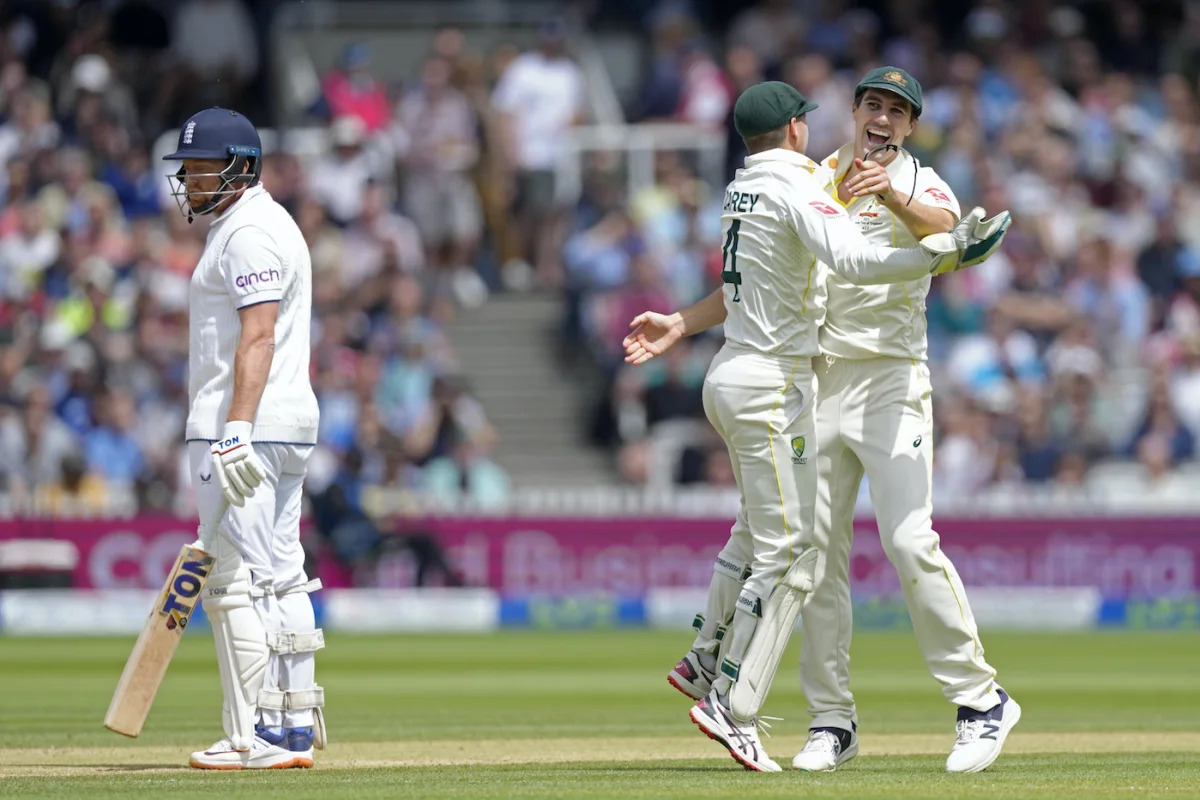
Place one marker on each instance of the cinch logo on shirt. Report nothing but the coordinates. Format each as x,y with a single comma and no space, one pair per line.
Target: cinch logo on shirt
248,281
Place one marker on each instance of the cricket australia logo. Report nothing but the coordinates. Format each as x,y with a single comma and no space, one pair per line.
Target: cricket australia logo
798,450
188,131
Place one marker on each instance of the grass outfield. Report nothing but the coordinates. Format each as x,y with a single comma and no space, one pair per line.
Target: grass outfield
521,715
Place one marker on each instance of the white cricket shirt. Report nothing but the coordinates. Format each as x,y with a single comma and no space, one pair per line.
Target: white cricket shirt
889,320
779,231
254,254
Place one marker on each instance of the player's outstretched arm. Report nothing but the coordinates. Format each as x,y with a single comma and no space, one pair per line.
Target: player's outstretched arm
830,234
834,239
654,334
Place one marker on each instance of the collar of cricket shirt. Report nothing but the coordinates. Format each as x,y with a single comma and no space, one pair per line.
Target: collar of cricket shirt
786,156
900,170
248,195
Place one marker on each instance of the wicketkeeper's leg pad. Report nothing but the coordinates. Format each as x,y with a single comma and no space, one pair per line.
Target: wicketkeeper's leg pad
729,572
760,634
241,642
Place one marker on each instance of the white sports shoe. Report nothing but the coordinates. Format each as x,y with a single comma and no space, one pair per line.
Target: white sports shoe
981,735
740,739
823,752
690,677
261,755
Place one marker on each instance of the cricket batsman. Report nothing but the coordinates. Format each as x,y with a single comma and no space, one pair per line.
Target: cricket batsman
780,230
251,427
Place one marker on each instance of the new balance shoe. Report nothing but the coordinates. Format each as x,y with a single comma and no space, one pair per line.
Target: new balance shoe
739,738
690,677
263,754
827,749
981,735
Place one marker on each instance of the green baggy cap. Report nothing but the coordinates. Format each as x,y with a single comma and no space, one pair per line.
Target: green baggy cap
767,106
894,80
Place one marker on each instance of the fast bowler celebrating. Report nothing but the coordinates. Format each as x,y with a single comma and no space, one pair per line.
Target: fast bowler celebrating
250,430
780,231
874,414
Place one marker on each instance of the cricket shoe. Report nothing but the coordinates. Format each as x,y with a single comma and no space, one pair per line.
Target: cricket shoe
690,677
827,749
739,738
263,754
981,734
298,740
300,744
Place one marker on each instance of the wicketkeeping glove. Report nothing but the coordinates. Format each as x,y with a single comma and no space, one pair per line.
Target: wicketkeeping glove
971,241
238,469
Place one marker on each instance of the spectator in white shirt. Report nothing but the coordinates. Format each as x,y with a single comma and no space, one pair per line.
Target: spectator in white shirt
339,180
540,96
27,252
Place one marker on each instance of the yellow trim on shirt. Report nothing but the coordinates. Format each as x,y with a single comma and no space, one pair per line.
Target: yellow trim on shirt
836,183
808,287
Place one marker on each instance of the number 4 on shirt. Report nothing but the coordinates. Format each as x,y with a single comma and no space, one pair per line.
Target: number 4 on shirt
729,260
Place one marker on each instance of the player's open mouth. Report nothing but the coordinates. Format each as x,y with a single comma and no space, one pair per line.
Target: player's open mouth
876,137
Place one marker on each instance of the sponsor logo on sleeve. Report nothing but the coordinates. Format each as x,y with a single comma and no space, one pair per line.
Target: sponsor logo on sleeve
825,208
253,280
938,195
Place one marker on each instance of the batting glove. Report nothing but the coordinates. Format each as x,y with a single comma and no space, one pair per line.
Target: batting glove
238,469
970,242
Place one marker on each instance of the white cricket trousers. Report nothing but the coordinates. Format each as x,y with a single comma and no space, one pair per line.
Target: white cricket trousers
266,533
762,406
266,530
876,416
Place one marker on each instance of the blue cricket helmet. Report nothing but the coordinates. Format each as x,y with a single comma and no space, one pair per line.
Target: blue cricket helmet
217,133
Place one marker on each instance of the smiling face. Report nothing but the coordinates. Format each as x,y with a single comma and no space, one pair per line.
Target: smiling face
880,118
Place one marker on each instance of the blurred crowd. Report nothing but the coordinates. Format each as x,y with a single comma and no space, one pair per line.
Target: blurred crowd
95,258
1068,365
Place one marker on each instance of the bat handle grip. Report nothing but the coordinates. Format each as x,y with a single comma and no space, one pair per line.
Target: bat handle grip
208,529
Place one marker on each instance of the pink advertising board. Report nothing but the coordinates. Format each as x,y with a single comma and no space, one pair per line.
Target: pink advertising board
1123,556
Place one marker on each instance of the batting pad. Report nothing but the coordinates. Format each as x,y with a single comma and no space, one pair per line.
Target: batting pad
290,695
241,643
289,642
756,672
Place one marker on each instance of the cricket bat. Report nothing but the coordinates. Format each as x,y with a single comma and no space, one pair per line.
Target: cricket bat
160,636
